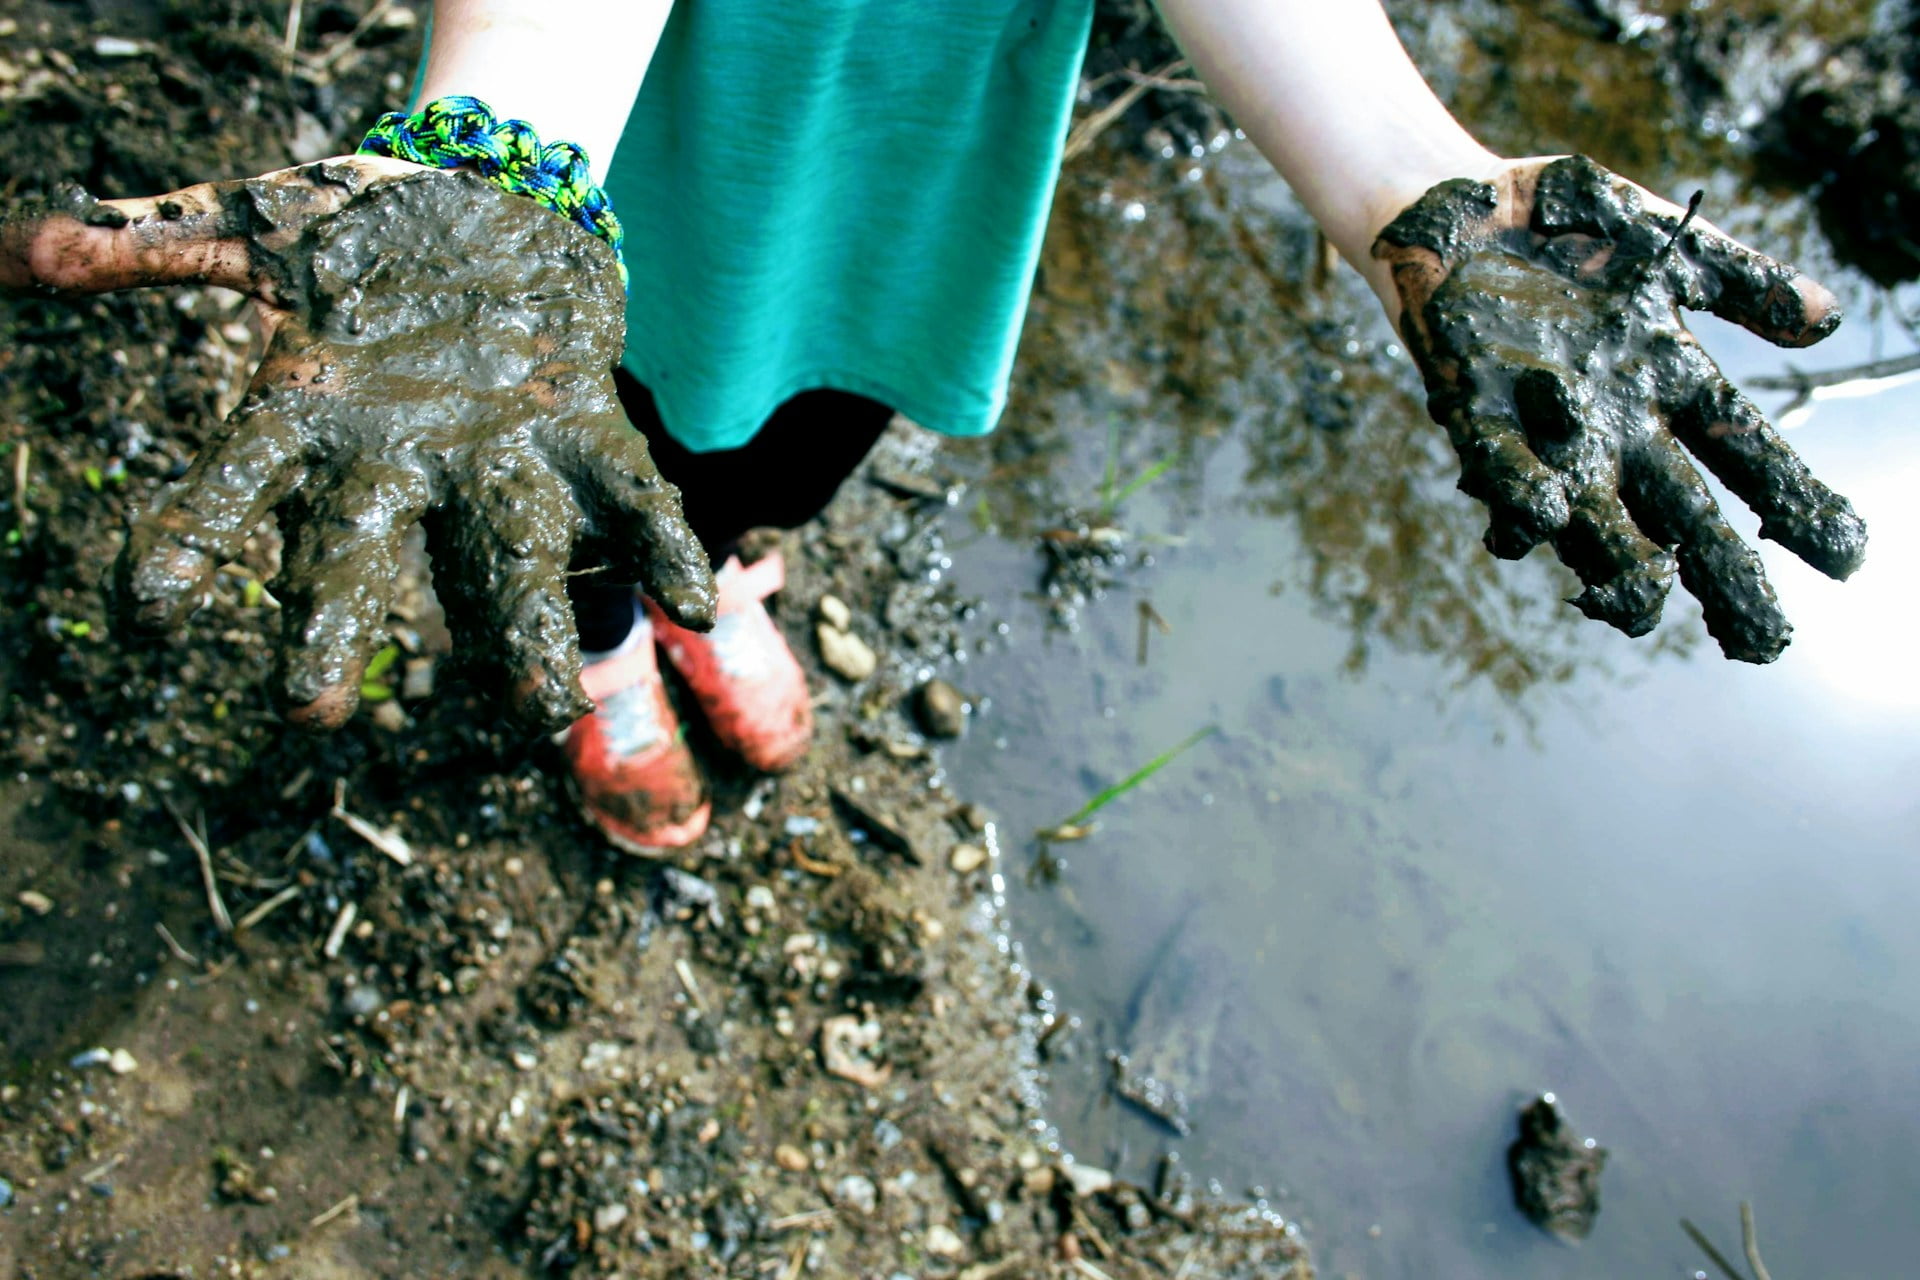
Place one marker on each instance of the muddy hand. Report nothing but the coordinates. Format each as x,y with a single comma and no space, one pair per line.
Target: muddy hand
1543,310
438,351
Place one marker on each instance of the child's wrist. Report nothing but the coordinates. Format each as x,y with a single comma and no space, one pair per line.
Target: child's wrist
456,131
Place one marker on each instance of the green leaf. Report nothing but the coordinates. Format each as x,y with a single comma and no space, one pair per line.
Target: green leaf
95,478
374,691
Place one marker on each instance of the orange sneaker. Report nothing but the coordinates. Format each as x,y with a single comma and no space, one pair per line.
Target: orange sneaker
745,678
637,781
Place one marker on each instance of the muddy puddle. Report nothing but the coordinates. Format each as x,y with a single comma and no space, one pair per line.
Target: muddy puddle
1452,844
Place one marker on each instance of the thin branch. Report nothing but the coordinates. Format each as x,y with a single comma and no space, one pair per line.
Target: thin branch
197,841
1706,1247
1096,124
1751,1243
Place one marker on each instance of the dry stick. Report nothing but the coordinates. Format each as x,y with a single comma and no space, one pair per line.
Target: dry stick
338,934
808,1218
1706,1246
386,840
1096,124
292,39
198,843
179,952
267,908
1871,371
22,459
322,1219
324,61
1751,1243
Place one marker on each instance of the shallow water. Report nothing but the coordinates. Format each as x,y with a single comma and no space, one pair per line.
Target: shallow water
1453,844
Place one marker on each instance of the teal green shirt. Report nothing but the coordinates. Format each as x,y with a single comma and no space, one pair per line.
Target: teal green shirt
842,194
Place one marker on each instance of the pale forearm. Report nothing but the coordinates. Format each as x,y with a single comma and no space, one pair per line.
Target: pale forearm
570,68
1326,92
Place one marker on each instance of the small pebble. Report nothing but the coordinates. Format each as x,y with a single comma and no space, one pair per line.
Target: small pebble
760,898
1086,1179
942,709
944,1242
122,1063
88,1059
6,1193
38,903
117,47
967,857
846,655
608,1216
856,1193
790,1158
835,613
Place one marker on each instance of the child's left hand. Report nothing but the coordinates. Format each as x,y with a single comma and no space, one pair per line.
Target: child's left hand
1543,309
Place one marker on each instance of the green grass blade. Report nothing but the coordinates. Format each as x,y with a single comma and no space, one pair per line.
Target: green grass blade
1142,480
1107,795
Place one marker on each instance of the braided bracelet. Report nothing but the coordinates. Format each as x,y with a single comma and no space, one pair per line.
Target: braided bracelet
458,130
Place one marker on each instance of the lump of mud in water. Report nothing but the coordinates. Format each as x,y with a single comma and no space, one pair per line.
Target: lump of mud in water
1850,131
1556,1174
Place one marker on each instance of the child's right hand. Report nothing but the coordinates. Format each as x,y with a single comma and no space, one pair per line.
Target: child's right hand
438,351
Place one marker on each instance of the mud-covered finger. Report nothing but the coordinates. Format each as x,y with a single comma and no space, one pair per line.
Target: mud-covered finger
1763,295
202,520
1526,500
500,552
339,572
1732,438
635,519
1671,503
1625,575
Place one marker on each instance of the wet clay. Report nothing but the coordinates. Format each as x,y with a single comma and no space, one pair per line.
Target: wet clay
1555,1172
439,352
1545,320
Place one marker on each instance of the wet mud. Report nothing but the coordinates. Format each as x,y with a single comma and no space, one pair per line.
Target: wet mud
496,325
1545,318
1555,1172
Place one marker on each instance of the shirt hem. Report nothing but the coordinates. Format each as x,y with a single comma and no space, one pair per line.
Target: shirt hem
963,424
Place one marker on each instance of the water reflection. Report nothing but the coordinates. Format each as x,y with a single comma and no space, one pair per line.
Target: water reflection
1361,924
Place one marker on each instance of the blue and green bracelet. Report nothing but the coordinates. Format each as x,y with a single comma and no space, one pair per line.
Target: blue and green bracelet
458,130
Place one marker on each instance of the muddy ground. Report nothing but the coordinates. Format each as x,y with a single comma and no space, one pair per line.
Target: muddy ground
807,1046
519,1053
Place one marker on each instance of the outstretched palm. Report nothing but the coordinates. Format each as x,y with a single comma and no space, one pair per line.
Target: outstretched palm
440,352
1543,311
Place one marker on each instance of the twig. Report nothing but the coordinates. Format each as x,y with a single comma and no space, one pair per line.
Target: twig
325,61
808,1218
1090,1271
22,459
1706,1246
1872,371
1096,124
292,40
179,952
197,841
101,1170
685,973
1751,1243
267,908
797,1261
338,934
351,1203
384,839
1186,1263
